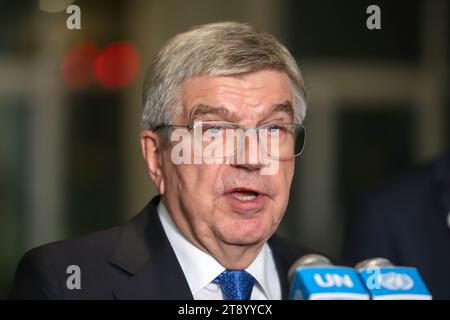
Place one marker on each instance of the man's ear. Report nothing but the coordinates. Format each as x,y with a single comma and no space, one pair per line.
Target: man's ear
151,145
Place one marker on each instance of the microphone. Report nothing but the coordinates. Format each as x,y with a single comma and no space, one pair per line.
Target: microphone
384,281
313,277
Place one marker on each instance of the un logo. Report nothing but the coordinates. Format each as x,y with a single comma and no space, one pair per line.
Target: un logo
396,281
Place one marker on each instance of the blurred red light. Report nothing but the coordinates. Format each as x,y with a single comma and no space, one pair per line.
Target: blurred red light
78,65
117,65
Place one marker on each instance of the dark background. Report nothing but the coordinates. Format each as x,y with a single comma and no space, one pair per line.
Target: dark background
378,105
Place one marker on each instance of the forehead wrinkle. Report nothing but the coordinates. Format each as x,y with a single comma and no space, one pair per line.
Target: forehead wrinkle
204,109
261,112
244,98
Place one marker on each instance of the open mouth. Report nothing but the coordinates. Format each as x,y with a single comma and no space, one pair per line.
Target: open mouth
246,200
244,194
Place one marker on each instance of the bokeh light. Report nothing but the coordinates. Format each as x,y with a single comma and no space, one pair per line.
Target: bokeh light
117,65
78,65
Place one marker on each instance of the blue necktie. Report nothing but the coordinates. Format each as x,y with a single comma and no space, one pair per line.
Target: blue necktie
235,284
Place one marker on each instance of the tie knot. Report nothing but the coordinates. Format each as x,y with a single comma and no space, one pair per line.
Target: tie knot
235,284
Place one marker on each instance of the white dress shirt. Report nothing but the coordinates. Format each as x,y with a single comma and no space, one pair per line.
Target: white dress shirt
200,269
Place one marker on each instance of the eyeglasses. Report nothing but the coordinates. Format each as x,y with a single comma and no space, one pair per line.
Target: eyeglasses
220,139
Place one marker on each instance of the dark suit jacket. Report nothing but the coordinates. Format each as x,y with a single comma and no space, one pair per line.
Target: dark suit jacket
133,261
407,223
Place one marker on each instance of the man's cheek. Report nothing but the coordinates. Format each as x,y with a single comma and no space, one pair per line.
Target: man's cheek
271,167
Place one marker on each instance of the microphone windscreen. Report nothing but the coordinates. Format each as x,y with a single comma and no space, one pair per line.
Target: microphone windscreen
384,281
313,277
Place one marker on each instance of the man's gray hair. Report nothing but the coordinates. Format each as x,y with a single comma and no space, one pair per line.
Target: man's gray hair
216,49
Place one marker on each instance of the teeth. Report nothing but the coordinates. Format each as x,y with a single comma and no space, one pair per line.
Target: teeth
244,198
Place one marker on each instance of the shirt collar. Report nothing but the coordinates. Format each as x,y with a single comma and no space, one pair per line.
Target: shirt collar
200,269
261,270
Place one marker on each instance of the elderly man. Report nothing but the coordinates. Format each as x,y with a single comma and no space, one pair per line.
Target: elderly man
223,107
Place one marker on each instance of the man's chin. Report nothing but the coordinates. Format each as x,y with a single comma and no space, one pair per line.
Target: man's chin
250,231
243,242
253,239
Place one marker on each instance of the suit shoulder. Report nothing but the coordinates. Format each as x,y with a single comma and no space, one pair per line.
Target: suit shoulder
99,243
35,277
41,271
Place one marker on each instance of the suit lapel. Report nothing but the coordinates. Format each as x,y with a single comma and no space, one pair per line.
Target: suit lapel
282,270
144,252
156,282
284,256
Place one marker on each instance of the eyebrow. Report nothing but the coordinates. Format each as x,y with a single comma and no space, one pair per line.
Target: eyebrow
203,109
283,107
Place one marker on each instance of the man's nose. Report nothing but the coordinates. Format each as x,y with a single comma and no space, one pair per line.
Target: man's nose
249,155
